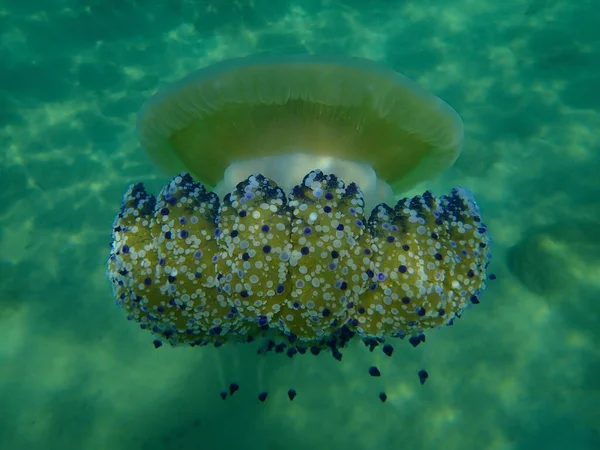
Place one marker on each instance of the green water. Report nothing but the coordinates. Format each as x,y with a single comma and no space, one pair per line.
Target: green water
521,370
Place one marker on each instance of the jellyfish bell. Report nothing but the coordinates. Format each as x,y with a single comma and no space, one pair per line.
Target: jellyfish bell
284,235
283,116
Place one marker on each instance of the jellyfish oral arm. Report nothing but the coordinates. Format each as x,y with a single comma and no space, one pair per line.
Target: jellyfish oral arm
286,169
307,266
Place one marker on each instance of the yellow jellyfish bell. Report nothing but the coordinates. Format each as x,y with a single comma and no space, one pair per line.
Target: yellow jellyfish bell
283,116
283,228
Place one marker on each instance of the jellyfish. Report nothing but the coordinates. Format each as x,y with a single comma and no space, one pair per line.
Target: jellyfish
281,223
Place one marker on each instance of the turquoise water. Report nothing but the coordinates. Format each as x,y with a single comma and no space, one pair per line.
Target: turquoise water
519,371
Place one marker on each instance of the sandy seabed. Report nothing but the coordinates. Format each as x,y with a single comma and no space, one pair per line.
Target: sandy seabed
518,371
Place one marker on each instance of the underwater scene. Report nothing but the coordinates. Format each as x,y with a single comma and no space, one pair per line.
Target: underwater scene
329,224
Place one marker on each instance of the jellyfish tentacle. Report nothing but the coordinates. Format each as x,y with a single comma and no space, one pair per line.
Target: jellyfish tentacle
254,243
307,269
